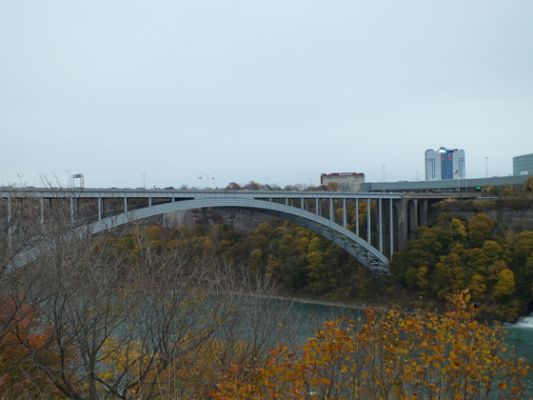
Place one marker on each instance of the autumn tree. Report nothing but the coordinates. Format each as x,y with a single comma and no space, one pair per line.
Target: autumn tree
390,355
480,227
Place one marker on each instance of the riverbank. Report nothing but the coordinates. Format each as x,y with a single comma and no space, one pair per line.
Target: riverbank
322,302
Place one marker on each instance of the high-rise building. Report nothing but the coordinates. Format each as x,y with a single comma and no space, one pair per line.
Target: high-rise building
523,165
345,181
445,164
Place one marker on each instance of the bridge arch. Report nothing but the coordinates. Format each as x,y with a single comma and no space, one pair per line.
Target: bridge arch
365,253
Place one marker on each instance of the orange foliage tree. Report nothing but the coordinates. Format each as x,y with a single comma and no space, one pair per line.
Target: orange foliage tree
19,377
389,355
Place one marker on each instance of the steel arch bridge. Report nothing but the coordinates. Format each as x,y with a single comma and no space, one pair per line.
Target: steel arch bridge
344,238
390,217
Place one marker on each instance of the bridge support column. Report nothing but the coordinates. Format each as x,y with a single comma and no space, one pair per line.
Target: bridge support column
317,206
71,209
331,215
302,203
368,221
41,211
416,221
423,220
100,209
126,204
149,202
357,217
380,225
344,219
391,228
403,228
9,220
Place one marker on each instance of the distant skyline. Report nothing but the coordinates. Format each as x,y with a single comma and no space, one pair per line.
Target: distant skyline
165,92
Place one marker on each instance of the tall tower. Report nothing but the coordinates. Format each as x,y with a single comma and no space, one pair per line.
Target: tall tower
445,164
432,165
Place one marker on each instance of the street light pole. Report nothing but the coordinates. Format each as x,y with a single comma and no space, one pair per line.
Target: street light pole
383,180
144,179
486,167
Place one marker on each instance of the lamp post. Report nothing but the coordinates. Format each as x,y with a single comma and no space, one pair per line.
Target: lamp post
383,180
486,167
208,178
144,179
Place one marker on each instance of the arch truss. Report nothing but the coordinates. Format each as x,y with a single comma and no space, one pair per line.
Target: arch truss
318,211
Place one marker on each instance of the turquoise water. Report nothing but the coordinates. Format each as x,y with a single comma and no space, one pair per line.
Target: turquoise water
520,338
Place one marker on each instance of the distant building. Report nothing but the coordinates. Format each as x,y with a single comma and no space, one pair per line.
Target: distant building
445,164
523,165
345,181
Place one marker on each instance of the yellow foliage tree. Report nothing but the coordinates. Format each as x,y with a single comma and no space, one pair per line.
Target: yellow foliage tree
505,284
389,356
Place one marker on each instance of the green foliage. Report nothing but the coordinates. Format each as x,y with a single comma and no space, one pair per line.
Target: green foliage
480,228
455,255
505,284
299,260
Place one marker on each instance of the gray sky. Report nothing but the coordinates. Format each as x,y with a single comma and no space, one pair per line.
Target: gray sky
271,90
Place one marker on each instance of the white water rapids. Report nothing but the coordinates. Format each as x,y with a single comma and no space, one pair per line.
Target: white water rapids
524,322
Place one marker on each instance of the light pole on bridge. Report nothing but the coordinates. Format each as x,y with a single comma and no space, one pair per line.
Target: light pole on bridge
144,179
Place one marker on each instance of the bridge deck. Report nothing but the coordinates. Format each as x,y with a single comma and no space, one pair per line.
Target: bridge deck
6,192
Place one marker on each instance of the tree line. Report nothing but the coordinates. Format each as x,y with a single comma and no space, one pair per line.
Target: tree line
457,254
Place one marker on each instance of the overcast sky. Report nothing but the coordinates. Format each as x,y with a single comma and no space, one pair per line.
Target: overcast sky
277,91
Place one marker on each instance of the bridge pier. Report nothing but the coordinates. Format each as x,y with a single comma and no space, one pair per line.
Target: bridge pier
380,225
412,213
357,217
100,208
344,217
402,223
368,221
9,221
391,228
423,210
71,209
41,211
412,218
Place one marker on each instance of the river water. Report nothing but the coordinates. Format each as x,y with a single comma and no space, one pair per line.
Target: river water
520,337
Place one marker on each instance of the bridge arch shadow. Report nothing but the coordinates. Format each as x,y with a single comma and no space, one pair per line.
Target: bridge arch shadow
357,247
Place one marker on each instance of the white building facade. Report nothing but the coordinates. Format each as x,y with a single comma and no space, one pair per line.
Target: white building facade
345,181
445,164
